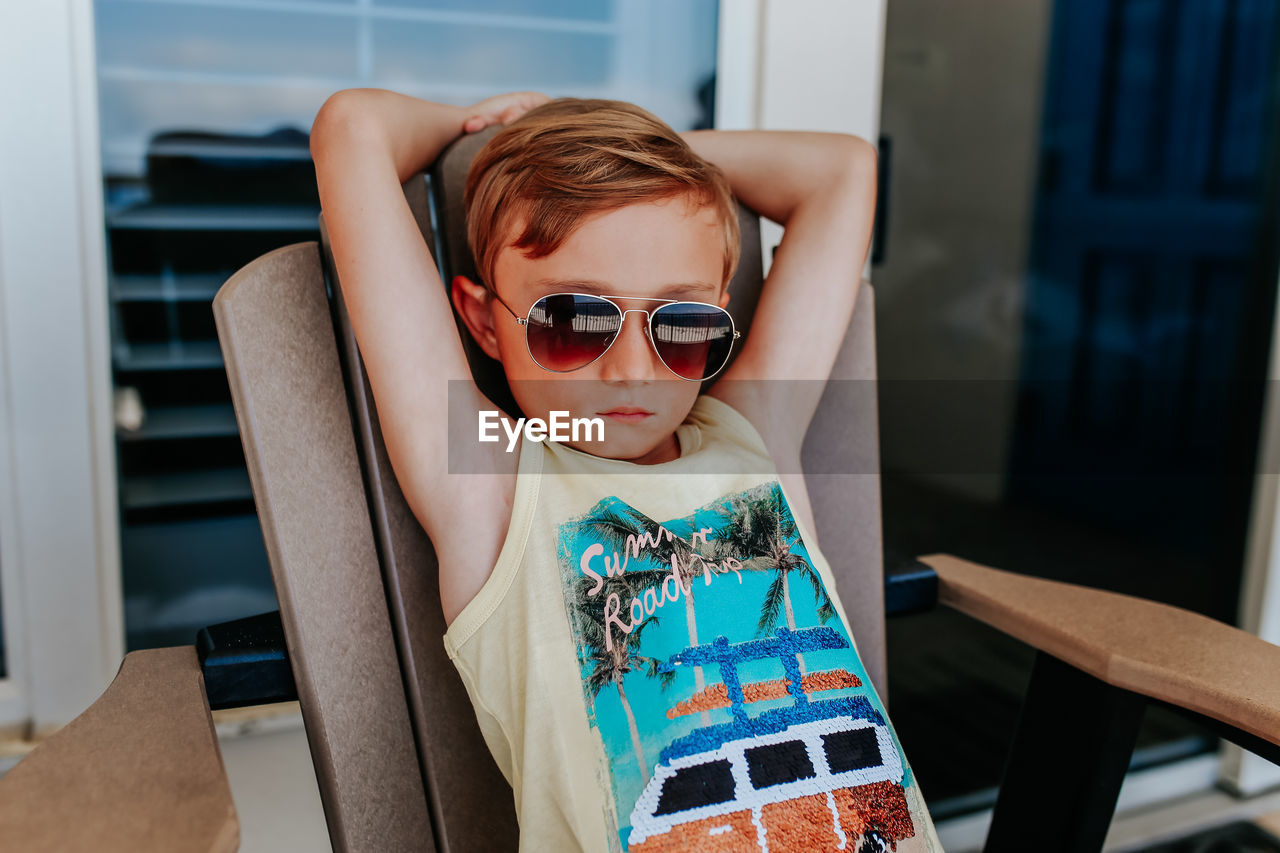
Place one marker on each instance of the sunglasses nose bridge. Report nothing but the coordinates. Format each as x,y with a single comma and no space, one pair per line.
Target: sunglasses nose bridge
630,360
644,324
643,311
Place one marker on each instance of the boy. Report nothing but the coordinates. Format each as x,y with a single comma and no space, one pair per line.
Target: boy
574,604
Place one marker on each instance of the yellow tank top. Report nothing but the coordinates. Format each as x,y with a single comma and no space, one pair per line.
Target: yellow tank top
660,661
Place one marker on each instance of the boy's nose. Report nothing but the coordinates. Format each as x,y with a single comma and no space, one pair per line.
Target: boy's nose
631,357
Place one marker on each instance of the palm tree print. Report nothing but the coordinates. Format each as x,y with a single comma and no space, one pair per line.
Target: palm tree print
611,665
762,529
619,528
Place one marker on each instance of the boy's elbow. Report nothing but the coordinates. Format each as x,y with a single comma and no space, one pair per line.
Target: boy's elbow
858,155
857,161
334,113
344,114
340,104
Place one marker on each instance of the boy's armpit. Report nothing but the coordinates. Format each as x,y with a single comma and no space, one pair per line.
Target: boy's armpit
446,500
470,523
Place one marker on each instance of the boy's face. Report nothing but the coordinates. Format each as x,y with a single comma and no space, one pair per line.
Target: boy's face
669,249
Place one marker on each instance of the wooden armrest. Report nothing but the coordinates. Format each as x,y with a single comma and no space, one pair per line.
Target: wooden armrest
1164,652
140,770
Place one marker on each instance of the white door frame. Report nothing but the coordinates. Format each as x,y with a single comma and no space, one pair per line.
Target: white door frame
800,65
59,546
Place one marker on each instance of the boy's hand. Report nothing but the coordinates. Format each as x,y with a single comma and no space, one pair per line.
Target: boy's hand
501,109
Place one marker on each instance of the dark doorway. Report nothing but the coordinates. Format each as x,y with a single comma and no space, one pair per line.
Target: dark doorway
1079,260
1149,310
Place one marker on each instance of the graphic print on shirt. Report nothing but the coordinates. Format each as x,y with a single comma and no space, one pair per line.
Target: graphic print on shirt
733,709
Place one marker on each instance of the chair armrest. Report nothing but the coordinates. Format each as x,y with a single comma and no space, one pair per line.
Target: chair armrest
1160,651
140,770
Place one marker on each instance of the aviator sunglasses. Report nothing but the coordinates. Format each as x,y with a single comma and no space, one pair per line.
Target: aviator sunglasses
567,331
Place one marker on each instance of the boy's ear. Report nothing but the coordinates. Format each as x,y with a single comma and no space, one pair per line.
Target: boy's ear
475,307
724,297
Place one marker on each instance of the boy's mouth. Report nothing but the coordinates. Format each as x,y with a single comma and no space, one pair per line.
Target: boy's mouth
626,414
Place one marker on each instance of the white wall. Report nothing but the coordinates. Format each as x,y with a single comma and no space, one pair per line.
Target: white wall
800,65
820,65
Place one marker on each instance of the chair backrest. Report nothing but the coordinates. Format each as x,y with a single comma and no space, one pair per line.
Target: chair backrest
276,331
387,717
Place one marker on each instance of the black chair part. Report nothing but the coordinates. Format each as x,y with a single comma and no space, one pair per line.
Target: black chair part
910,586
1072,747
245,662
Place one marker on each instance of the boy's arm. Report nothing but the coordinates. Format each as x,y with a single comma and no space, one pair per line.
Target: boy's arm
365,144
821,187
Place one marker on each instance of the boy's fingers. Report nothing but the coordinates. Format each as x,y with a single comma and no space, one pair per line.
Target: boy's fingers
517,106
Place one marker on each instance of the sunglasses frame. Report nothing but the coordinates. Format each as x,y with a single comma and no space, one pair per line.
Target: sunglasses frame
648,327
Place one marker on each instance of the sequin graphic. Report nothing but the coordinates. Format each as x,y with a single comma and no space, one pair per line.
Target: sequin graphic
733,708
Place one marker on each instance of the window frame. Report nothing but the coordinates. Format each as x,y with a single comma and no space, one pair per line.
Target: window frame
59,554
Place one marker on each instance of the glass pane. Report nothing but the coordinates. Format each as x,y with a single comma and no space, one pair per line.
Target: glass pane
494,56
587,10
151,38
1072,285
134,111
205,110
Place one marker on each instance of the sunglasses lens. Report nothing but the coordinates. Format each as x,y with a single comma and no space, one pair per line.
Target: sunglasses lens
570,330
693,339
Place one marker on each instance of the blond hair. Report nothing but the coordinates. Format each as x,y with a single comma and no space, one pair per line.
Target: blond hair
573,157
